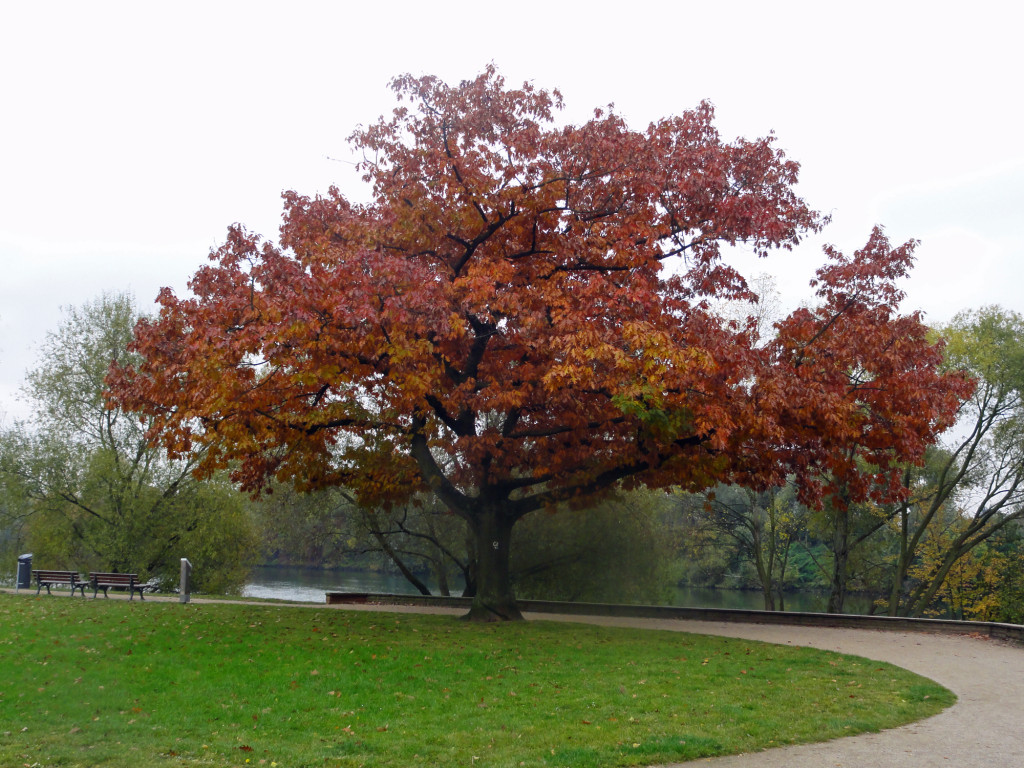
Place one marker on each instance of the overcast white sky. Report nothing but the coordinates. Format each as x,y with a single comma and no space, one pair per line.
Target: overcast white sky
132,134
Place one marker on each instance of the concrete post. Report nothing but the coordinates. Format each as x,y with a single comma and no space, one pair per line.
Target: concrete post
186,581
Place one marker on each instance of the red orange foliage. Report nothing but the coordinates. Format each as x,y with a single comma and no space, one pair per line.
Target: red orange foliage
523,315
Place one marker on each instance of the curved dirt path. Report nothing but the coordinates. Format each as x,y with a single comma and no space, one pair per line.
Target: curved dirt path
984,728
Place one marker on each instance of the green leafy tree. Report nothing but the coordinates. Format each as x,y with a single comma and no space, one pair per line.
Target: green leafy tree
311,529
97,495
1007,549
12,520
850,534
329,528
978,477
763,526
615,551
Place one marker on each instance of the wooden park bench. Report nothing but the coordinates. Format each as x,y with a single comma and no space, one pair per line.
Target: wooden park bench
105,581
50,578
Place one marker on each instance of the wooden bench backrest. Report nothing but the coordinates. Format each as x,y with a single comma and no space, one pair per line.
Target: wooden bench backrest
43,574
114,578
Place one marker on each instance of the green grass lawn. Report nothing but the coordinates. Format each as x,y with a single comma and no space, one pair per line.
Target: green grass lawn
133,684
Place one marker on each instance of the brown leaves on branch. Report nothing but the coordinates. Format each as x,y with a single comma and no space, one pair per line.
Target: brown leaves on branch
530,302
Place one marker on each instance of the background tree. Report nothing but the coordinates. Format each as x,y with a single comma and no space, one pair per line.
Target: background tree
977,480
618,551
706,557
859,390
422,532
312,529
13,515
97,495
327,528
1005,575
763,525
498,325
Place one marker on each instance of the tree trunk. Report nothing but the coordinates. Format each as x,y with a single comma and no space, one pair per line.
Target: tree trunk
494,599
469,573
840,561
899,578
837,594
784,562
764,575
440,566
763,566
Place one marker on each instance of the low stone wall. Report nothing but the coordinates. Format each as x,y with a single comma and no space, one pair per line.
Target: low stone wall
1011,632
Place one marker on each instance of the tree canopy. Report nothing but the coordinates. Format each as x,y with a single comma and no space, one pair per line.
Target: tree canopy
523,315
974,487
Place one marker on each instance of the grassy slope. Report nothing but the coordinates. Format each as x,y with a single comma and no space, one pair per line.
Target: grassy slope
113,683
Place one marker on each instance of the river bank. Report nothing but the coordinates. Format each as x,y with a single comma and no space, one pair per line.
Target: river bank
302,584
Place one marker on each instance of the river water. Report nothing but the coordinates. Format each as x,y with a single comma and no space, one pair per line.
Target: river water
309,585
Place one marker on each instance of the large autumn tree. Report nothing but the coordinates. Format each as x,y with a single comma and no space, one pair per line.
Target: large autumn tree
521,316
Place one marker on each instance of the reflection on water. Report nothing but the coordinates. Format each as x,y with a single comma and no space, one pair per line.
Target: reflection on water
309,585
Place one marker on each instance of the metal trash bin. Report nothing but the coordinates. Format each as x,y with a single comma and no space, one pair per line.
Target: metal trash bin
24,571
